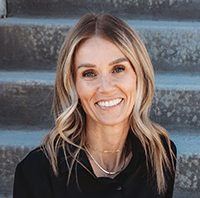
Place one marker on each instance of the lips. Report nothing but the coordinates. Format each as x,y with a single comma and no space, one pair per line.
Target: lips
109,103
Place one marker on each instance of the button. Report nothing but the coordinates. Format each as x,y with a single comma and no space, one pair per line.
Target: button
119,188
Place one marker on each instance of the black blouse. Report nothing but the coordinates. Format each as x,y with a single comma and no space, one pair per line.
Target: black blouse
34,178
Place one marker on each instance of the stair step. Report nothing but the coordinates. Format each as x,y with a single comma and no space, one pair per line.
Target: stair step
150,9
177,101
34,43
176,81
187,169
27,99
31,44
15,144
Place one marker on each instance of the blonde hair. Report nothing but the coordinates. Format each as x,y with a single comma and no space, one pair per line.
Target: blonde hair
69,115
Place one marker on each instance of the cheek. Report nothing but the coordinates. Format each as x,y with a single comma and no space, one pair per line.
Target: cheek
83,93
82,97
79,88
133,91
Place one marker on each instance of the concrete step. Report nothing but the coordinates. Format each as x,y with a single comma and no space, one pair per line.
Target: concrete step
177,101
188,163
31,44
34,43
145,9
15,144
27,99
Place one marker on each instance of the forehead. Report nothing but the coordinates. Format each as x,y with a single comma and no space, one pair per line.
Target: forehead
97,49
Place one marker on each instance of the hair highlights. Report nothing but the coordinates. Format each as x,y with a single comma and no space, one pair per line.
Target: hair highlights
69,115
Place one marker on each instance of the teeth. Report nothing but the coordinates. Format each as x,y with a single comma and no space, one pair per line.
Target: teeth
110,103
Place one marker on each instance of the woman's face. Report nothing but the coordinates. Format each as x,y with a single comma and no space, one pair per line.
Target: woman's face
105,82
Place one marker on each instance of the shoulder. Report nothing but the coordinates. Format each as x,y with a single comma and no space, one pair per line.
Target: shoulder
35,161
34,157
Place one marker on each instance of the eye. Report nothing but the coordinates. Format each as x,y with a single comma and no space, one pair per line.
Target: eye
118,69
89,74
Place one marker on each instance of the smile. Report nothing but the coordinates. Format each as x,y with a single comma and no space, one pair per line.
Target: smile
109,103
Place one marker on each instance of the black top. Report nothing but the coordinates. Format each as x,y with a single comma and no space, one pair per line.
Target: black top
34,178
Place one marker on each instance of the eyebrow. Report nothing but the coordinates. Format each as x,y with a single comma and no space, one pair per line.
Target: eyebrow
119,60
86,65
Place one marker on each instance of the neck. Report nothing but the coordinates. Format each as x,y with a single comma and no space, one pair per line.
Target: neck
106,138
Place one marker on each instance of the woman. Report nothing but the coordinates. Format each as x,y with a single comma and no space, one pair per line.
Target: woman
103,143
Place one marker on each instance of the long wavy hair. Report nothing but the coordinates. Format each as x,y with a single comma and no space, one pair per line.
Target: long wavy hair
70,117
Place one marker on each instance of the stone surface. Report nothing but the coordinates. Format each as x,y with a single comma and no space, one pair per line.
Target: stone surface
188,171
33,44
177,100
181,193
172,46
27,99
30,46
187,183
177,107
140,9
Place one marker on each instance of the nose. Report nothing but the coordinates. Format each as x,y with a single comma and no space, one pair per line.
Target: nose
106,84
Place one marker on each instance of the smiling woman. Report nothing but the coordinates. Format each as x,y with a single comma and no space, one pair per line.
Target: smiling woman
103,143
106,84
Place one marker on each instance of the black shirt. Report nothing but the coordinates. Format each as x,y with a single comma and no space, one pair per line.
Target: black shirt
34,178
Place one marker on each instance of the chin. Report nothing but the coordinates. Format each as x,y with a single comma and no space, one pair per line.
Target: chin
112,122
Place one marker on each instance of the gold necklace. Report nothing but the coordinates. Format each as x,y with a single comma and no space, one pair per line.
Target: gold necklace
105,171
105,150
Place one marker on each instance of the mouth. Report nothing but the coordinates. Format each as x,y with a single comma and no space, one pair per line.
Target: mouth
110,103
